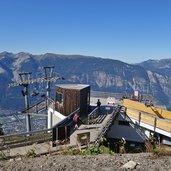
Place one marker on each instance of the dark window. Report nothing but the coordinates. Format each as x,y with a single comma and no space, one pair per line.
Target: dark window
60,98
126,123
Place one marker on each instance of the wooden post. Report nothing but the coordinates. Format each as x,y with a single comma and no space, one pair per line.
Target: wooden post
139,118
54,137
155,123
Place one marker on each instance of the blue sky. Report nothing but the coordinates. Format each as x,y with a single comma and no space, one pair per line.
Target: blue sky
127,30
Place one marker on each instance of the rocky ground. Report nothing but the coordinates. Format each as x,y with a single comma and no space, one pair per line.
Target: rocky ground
102,162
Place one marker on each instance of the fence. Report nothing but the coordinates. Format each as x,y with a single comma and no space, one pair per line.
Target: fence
24,139
161,125
28,138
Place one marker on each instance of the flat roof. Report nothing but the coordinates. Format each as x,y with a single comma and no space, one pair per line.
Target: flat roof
73,86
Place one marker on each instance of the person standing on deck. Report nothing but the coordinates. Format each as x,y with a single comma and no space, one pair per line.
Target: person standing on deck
98,105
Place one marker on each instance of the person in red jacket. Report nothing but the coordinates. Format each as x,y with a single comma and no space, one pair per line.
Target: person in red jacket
76,119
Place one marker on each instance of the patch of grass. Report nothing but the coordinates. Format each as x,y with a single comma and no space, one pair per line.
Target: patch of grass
157,151
71,152
97,150
161,151
2,156
148,146
64,150
103,140
31,153
105,150
90,151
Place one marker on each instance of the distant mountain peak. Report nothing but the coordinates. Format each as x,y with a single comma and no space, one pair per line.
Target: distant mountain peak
101,74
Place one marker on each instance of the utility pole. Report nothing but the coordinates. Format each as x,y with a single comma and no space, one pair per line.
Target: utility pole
24,78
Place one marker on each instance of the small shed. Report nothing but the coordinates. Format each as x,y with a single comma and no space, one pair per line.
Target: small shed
70,97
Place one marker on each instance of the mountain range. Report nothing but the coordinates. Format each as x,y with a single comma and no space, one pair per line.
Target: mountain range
150,77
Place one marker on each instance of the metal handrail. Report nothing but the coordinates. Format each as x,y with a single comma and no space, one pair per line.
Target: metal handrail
107,127
25,133
42,102
67,119
137,127
94,114
34,106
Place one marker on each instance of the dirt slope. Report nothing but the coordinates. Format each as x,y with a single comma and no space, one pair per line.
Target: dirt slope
142,161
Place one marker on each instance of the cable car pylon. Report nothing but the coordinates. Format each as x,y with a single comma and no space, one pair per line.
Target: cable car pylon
25,81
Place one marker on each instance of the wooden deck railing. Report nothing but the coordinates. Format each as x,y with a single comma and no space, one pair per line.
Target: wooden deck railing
154,121
29,138
24,139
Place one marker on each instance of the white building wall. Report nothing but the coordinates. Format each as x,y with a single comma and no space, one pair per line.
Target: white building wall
54,117
150,127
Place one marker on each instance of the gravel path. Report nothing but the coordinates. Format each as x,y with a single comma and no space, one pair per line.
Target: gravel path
140,161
